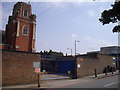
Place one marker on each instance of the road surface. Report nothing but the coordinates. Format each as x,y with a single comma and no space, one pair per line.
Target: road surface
108,82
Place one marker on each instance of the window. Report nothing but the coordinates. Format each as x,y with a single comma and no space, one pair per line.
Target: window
25,30
25,13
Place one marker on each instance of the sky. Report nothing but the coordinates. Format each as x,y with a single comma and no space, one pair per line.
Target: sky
60,23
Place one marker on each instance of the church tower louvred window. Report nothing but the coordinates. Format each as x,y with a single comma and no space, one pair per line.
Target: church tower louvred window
25,13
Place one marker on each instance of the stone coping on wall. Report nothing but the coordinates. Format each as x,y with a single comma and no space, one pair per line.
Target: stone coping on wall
19,51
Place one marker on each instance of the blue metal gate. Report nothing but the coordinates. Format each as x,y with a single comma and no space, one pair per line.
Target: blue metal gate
66,66
60,67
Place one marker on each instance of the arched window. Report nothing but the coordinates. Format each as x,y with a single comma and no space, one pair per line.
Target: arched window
25,30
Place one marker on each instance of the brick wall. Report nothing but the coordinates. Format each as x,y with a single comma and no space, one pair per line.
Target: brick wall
24,38
17,67
104,60
87,65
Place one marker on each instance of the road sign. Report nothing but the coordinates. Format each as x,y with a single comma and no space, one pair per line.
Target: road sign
116,58
36,64
78,65
37,70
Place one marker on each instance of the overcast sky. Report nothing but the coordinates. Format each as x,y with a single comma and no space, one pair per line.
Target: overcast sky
59,24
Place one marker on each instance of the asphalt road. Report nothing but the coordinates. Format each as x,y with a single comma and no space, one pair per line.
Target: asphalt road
108,82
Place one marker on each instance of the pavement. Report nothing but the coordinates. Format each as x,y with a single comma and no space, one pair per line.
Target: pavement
103,75
53,76
61,83
106,82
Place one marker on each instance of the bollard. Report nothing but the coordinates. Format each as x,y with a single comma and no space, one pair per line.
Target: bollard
112,70
95,73
105,71
38,80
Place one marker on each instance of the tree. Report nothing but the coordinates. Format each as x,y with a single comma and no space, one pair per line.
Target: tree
41,52
111,15
51,53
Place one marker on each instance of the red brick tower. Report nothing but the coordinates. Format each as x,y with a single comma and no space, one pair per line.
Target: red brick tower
21,28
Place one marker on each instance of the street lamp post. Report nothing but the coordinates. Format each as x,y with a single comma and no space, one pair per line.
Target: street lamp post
75,45
70,50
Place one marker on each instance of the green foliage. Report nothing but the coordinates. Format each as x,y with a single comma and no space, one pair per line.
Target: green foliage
116,29
51,53
111,15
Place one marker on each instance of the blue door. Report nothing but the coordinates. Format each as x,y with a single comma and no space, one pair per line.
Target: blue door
65,66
